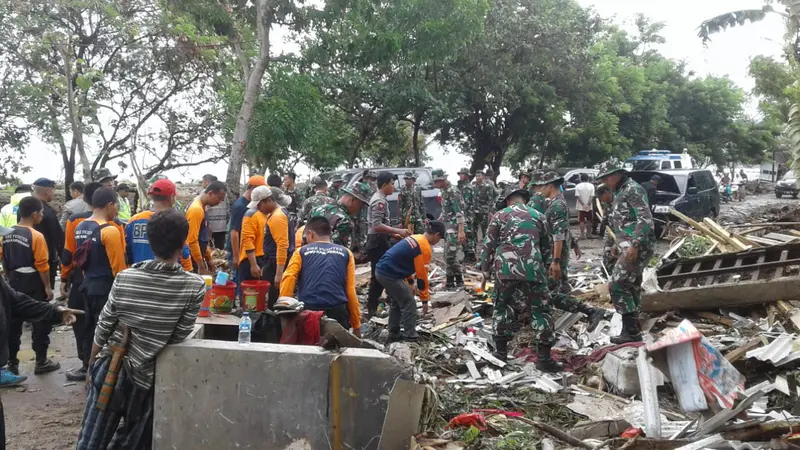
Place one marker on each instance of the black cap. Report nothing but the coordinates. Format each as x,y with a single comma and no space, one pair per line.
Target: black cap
45,183
384,178
23,188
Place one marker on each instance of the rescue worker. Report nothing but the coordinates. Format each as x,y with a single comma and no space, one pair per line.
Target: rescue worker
485,199
379,234
8,214
409,257
511,251
468,194
74,206
335,189
631,222
137,247
343,215
319,198
217,216
44,190
276,238
290,189
103,258
254,223
411,206
324,274
125,213
452,216
538,201
605,198
27,265
362,224
560,243
238,211
199,233
104,177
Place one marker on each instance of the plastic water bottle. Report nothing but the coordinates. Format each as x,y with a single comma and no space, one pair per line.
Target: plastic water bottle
245,325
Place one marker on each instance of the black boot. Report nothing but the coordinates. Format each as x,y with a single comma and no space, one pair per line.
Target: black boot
13,366
630,330
450,284
459,280
594,316
544,361
44,364
501,343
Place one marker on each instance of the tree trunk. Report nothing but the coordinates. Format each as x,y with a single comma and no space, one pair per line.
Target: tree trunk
74,120
252,90
415,144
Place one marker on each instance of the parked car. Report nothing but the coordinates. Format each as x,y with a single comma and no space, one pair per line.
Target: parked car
572,177
693,192
660,160
787,185
430,194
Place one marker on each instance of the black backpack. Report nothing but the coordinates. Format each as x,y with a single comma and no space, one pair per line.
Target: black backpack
82,253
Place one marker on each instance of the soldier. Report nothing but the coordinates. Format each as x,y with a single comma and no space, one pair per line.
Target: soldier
524,177
632,222
362,225
335,189
557,221
342,215
319,198
511,251
290,188
468,194
605,198
411,207
379,234
538,201
452,216
485,198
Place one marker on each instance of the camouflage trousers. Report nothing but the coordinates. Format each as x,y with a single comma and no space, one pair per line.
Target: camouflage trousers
609,260
451,247
512,301
480,223
418,224
626,281
469,246
561,293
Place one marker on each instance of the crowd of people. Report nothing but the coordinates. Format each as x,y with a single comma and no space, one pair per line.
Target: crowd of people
133,284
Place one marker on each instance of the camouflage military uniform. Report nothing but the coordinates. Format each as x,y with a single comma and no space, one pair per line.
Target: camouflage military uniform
608,244
342,223
294,207
485,199
632,223
333,191
468,194
410,199
452,216
558,224
313,203
362,224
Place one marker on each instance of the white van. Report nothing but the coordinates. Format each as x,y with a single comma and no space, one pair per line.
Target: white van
659,160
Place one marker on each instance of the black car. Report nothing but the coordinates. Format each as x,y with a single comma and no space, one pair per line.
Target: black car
430,194
693,192
787,185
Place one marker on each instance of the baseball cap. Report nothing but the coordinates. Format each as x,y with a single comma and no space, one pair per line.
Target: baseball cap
264,192
163,188
45,183
256,180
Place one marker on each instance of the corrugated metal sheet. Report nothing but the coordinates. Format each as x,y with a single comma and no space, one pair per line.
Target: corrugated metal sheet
780,351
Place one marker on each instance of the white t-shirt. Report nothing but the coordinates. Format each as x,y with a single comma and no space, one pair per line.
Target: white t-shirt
584,193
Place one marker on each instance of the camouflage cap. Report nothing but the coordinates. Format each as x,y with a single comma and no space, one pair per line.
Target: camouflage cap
102,174
606,168
463,170
361,191
523,173
319,182
515,190
439,174
410,175
541,178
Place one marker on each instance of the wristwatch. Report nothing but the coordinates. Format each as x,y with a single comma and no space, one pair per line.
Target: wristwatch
557,260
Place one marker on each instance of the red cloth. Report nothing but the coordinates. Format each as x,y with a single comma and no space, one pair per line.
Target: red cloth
576,363
469,420
302,329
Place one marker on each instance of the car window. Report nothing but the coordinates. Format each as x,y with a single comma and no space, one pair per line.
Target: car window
678,165
788,176
423,179
665,165
692,182
575,178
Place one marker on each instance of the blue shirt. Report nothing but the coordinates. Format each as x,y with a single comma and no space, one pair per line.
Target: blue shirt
137,247
238,210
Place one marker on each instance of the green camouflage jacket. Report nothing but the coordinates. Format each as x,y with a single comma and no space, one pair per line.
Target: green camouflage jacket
513,244
297,201
630,218
342,224
314,202
334,193
468,194
539,202
485,197
558,228
411,198
452,206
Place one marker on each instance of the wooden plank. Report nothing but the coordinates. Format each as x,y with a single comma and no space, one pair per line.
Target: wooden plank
725,234
674,248
764,241
752,230
691,222
402,414
793,232
711,250
779,270
715,318
785,238
709,279
739,352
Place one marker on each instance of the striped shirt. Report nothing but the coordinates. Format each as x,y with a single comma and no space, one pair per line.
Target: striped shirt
159,303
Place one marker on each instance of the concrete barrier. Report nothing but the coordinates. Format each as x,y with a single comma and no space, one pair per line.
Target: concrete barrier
222,395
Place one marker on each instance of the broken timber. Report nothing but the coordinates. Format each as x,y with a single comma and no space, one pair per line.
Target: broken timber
756,276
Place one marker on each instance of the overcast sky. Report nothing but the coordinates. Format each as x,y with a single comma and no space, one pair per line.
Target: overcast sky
728,54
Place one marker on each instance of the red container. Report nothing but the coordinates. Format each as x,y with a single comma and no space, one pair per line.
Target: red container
222,297
254,295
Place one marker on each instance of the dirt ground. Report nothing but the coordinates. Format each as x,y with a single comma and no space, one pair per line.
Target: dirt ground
46,413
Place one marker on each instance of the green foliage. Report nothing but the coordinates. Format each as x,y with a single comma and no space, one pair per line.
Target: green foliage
470,434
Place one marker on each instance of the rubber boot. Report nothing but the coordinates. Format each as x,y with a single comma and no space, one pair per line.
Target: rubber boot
450,284
545,362
630,330
594,316
501,344
459,280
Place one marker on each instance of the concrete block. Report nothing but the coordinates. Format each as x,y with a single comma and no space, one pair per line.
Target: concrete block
620,371
222,395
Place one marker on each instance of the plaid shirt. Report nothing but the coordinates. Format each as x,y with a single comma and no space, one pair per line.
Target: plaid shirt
159,303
